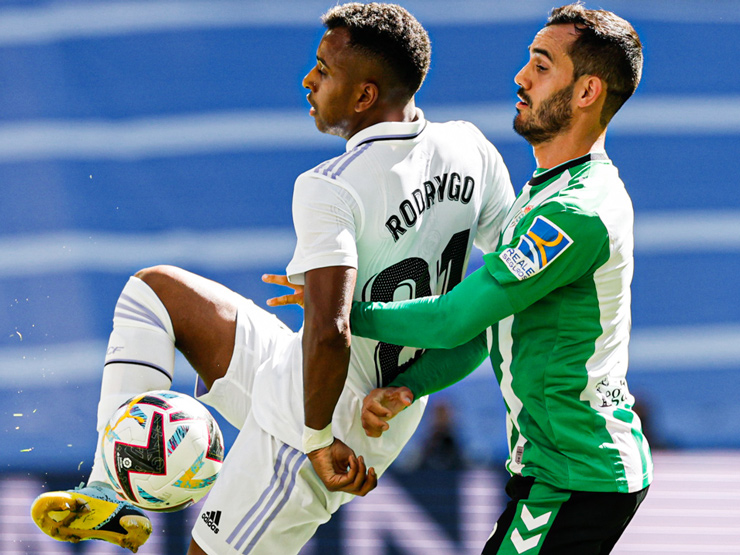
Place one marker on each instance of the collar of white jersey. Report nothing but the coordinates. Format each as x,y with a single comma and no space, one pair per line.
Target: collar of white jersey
389,131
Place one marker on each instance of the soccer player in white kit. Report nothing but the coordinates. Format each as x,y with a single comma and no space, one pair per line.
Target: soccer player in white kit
394,217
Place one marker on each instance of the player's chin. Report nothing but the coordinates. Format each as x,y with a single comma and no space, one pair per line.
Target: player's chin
320,125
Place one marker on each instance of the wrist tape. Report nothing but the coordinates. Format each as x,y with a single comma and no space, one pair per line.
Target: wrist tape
317,439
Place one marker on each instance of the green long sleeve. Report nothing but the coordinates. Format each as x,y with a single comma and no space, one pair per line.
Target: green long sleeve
442,322
437,369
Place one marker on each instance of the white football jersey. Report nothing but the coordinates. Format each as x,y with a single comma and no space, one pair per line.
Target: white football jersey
403,205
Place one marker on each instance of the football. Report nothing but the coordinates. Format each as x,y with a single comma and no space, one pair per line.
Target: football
162,450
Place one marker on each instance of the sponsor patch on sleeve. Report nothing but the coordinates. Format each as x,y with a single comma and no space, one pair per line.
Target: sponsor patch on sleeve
539,246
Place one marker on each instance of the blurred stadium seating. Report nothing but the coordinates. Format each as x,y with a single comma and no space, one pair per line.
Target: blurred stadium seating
142,132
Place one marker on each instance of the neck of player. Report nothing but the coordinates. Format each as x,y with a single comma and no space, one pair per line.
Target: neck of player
580,139
385,113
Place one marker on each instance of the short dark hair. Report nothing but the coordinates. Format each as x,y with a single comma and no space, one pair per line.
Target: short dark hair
607,47
390,34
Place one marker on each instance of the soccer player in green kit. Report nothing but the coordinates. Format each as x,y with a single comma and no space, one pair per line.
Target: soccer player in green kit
551,305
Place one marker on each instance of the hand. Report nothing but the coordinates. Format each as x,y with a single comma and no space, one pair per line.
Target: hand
341,470
295,298
382,404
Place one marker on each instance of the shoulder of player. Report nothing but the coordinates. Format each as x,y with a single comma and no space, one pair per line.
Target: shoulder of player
596,172
593,192
366,161
346,167
318,187
567,213
464,140
462,130
557,227
588,188
563,204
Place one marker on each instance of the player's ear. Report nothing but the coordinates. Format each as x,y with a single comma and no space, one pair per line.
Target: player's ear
368,96
589,89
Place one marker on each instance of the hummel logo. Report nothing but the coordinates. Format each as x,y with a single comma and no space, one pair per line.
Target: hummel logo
531,523
212,518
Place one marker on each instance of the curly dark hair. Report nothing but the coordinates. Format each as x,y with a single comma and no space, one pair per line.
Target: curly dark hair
390,34
607,47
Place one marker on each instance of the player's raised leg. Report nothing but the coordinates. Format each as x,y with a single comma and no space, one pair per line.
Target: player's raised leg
203,316
158,309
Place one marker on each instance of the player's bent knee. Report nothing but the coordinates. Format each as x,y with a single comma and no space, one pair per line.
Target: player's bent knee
159,276
203,314
170,285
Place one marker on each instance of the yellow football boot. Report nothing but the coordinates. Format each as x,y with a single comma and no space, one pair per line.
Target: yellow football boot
91,512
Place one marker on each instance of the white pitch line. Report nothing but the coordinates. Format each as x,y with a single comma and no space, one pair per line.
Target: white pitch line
158,136
59,21
687,231
44,254
291,130
679,349
26,255
686,347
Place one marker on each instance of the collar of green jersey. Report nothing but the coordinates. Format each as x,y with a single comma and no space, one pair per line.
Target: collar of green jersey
542,175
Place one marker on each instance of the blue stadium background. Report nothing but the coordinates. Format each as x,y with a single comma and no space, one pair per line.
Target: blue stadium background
134,133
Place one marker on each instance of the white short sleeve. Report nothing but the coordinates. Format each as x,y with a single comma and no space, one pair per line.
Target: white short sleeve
325,217
499,198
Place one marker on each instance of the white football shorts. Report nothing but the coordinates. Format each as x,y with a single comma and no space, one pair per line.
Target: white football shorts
267,498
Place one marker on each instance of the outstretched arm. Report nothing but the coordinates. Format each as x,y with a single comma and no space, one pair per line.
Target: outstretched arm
498,289
443,322
434,370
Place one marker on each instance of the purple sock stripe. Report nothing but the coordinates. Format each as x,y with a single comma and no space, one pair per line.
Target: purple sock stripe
283,501
268,489
140,363
271,502
349,160
141,310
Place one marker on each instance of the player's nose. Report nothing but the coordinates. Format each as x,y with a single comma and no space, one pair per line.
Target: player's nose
521,78
309,82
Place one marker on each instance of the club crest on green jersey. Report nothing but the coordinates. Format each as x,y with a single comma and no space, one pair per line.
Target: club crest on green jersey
542,243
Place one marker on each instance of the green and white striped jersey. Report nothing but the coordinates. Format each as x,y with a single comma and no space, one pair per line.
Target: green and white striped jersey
565,263
552,306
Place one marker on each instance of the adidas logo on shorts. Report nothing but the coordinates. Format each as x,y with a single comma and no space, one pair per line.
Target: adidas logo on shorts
212,518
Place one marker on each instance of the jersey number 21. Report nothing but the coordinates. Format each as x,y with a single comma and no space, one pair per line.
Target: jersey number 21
412,275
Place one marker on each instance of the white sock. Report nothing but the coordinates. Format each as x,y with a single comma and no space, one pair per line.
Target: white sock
140,356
